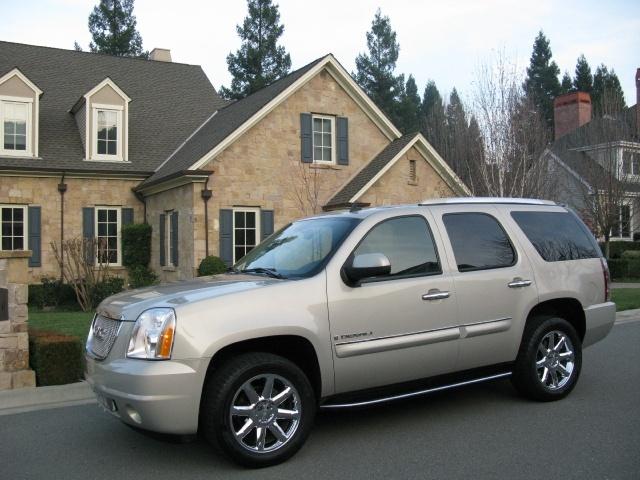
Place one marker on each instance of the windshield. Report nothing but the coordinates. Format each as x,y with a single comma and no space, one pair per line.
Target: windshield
301,249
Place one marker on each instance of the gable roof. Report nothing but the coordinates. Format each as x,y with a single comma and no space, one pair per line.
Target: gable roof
231,121
168,101
369,175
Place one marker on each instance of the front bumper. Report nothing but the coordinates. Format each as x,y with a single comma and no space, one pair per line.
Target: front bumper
599,321
161,396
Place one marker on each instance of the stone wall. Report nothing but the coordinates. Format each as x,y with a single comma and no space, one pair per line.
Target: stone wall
14,337
81,192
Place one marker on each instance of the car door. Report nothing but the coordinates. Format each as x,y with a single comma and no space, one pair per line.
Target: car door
397,327
493,280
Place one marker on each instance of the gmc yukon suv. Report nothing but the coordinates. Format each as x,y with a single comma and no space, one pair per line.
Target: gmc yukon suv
354,308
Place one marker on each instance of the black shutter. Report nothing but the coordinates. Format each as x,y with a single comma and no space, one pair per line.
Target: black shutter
163,260
306,145
34,237
174,239
226,236
88,232
343,140
127,216
266,223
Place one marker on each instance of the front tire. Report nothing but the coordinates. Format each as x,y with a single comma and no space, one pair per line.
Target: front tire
549,361
258,408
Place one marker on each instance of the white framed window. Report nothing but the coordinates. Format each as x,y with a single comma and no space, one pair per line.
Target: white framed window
630,163
246,231
323,135
15,121
13,231
622,229
107,227
107,133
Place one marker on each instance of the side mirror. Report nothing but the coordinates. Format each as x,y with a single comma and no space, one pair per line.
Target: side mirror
367,265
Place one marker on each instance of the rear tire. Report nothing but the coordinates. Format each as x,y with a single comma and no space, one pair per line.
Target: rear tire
549,361
258,408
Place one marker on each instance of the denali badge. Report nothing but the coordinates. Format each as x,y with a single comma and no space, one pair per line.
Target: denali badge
349,336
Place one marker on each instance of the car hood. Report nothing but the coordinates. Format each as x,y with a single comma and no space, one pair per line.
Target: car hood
130,304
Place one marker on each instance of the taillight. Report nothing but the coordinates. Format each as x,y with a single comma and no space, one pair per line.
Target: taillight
607,279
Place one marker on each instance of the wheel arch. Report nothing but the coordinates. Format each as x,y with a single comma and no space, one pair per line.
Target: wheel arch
568,308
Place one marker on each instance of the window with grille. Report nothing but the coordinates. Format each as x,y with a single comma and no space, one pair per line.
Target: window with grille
13,231
108,234
246,231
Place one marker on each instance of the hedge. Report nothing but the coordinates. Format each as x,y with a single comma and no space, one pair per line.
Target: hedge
52,293
616,248
57,359
624,268
136,244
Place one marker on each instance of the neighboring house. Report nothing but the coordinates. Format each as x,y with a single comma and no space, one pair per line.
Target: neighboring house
93,142
597,156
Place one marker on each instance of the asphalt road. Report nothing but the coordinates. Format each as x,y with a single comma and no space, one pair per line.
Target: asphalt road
484,431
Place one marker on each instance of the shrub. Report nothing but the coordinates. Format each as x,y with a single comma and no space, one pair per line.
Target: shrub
211,265
141,276
136,245
56,358
109,286
52,293
631,254
624,268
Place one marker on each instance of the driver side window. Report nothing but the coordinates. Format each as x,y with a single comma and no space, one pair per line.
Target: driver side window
408,244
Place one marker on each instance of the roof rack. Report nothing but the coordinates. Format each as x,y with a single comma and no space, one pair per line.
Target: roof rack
475,200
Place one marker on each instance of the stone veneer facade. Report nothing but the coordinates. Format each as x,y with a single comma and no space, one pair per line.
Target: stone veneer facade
14,337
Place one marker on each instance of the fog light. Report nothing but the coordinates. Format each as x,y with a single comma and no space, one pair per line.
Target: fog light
133,414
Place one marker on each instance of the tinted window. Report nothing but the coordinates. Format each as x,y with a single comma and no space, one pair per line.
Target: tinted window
407,243
557,236
478,241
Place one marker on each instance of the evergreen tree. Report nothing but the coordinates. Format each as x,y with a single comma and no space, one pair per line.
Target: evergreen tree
566,85
408,109
607,97
583,80
375,70
457,133
260,60
113,28
541,84
433,118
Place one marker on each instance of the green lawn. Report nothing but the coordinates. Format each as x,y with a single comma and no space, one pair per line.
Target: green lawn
69,323
626,298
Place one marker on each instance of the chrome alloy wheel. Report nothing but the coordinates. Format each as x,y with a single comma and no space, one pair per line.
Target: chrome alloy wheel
265,413
555,360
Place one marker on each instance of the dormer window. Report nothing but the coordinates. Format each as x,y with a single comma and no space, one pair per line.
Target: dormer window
102,118
108,127
19,99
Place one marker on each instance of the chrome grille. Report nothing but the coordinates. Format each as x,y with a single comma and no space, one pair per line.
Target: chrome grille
102,336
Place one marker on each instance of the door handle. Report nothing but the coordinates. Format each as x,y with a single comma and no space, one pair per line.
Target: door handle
435,294
519,283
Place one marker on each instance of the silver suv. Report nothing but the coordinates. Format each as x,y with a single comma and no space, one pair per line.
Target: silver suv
354,308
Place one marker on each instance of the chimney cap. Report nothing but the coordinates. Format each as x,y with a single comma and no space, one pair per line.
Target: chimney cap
160,55
571,97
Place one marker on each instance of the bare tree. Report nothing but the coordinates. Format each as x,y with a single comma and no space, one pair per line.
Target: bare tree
76,257
513,134
305,187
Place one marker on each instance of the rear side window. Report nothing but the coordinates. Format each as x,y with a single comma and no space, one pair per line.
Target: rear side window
479,242
557,236
407,243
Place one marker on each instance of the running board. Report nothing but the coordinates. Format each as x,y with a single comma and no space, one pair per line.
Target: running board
413,394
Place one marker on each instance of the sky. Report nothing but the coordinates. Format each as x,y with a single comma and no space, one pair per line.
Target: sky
445,41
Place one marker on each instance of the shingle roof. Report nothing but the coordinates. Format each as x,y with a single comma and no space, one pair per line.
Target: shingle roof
597,131
168,102
222,124
370,170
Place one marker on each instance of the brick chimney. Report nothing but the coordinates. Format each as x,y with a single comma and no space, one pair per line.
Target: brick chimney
160,55
570,111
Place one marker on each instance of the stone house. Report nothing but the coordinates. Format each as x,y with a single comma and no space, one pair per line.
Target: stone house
595,155
93,142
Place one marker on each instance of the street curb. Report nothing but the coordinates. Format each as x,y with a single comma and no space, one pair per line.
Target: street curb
39,398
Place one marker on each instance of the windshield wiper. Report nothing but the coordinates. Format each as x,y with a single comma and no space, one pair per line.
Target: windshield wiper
272,272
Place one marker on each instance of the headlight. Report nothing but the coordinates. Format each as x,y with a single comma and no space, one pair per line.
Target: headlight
152,336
